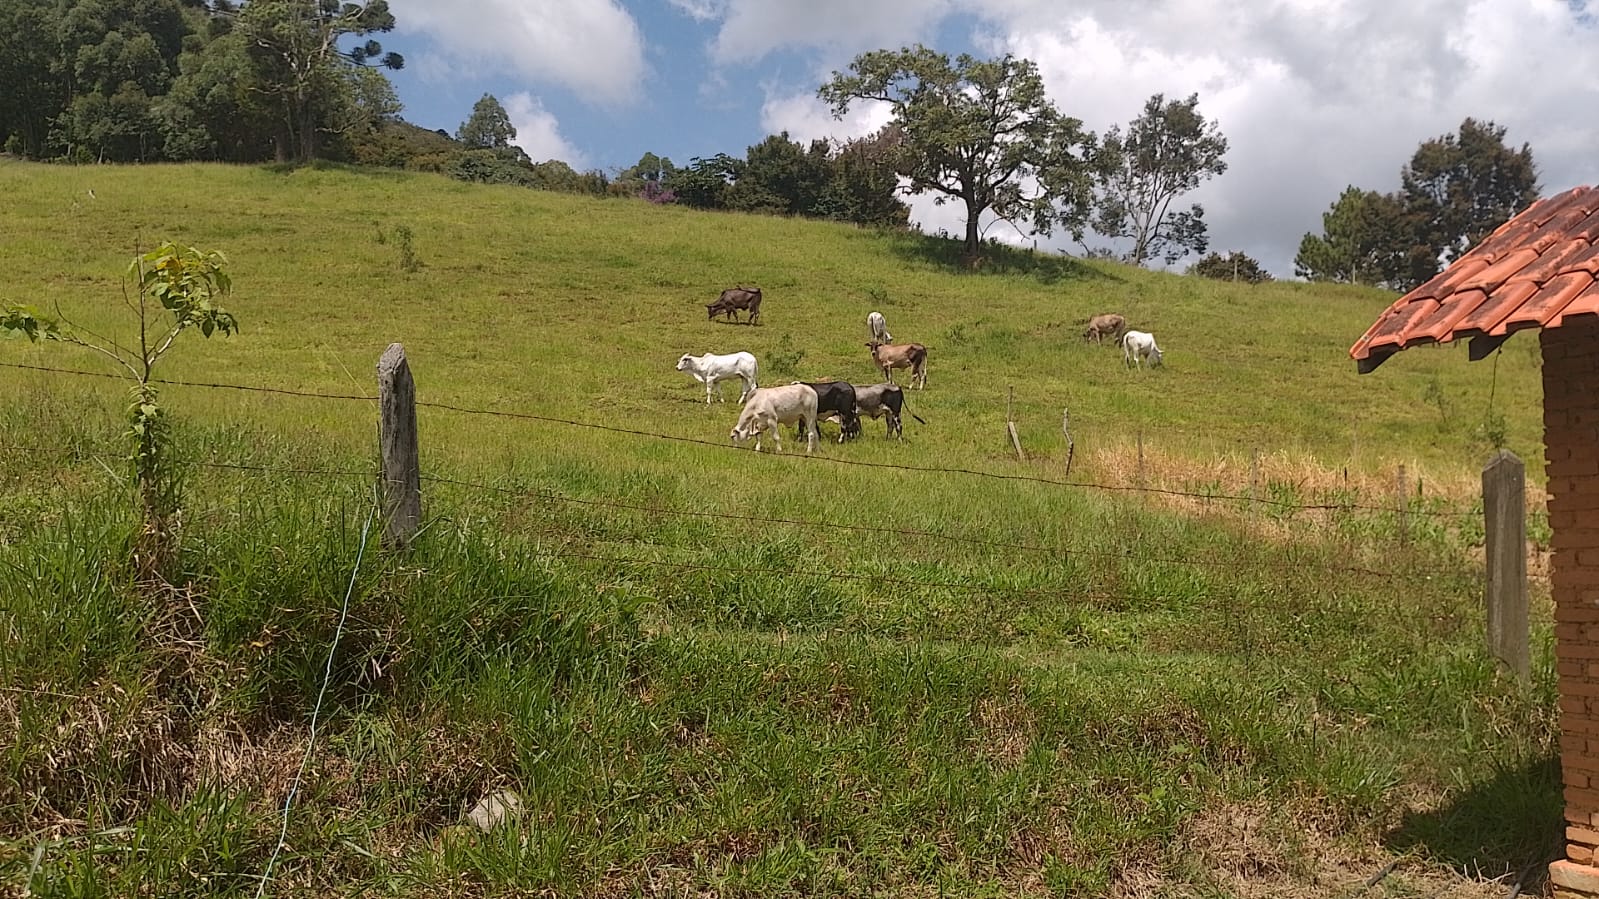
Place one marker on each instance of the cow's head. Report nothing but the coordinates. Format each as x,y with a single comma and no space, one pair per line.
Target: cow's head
682,361
712,308
739,434
1154,356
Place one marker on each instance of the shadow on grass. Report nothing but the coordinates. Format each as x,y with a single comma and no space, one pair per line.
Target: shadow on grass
1508,824
997,259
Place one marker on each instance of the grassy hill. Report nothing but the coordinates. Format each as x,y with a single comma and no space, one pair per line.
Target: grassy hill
876,681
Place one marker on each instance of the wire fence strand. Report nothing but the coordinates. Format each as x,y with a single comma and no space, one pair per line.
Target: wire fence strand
1282,506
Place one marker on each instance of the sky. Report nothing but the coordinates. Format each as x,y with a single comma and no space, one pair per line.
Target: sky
1312,95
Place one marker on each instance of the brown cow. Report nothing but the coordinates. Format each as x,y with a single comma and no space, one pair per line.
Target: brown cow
734,299
1108,325
903,355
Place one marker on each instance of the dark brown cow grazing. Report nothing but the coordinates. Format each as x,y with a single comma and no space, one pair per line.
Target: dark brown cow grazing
1108,325
734,299
902,355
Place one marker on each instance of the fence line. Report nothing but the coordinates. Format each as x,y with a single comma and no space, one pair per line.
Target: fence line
1063,550
1284,505
666,511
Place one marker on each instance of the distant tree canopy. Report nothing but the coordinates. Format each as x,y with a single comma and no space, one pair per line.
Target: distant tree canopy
850,182
1365,240
981,132
95,80
1455,190
1166,152
489,127
1235,266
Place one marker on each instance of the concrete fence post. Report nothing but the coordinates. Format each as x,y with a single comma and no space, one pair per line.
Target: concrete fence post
1504,511
402,468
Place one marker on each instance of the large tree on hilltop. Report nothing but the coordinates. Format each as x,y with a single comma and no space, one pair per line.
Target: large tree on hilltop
1459,188
489,126
1365,240
297,60
1165,153
978,131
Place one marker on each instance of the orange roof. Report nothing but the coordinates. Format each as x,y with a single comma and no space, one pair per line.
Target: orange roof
1537,270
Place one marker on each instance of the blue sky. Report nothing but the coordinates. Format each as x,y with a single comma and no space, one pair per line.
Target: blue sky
1313,95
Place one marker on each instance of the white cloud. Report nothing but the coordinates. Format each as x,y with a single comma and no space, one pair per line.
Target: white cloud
753,28
539,134
592,47
701,10
1312,95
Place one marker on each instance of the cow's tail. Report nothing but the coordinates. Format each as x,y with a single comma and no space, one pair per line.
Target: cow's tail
918,418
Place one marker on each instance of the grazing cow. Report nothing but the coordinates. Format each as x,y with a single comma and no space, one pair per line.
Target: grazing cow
710,368
1108,325
878,328
837,398
906,355
769,408
1138,346
734,299
878,400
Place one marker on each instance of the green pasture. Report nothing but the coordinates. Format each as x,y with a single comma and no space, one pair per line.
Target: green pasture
889,682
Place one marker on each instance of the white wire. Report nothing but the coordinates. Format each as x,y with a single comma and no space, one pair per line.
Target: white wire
327,675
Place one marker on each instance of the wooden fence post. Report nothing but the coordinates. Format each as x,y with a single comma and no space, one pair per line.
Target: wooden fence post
402,468
1071,445
1010,426
1504,510
1402,509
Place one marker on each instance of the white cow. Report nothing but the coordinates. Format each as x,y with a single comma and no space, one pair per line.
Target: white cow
769,408
711,368
1138,346
879,328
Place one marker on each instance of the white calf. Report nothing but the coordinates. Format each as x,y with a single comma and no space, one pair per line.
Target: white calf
711,368
879,328
1137,346
771,407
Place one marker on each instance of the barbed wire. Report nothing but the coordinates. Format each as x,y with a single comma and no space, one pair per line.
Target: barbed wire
1285,506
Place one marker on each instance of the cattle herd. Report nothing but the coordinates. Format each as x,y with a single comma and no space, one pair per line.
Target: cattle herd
806,404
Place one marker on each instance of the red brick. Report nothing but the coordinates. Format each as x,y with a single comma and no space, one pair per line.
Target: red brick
1572,467
1575,705
1565,577
1585,836
1569,612
1575,537
1575,876
1582,855
1586,762
1579,724
1577,650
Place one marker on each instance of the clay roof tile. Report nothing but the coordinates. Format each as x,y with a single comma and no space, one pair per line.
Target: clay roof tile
1537,269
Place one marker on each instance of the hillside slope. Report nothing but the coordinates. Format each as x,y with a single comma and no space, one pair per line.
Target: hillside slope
514,283
710,672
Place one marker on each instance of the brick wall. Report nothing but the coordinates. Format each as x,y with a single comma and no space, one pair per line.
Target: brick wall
1571,433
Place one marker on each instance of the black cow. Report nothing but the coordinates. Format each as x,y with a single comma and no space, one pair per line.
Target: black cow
835,398
734,299
876,400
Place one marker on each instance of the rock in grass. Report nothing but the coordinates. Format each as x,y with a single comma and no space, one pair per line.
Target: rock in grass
494,809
